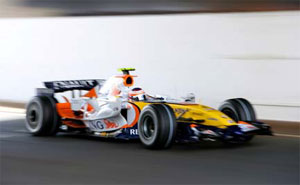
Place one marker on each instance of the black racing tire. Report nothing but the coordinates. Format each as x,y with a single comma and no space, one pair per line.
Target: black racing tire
157,126
41,116
239,109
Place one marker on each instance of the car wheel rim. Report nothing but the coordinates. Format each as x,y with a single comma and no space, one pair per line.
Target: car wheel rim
148,127
33,118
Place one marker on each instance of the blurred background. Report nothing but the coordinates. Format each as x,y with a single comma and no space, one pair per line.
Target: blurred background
29,8
217,49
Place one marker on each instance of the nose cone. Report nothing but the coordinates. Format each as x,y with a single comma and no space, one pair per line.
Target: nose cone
211,117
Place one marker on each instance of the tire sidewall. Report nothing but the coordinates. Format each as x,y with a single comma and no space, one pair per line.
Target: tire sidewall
227,105
243,111
47,116
151,112
171,125
250,110
241,108
164,123
34,105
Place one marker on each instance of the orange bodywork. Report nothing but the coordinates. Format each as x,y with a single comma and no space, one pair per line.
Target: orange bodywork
136,116
90,108
92,93
243,122
72,124
135,119
64,110
110,124
126,82
193,125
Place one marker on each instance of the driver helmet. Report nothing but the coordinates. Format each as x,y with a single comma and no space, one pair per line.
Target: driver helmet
137,94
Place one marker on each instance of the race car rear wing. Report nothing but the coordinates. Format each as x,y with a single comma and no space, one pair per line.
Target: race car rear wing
67,85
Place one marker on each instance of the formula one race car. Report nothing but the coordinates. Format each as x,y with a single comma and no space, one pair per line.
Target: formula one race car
112,108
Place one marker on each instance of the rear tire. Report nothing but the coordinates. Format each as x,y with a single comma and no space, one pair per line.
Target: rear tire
157,126
239,109
41,116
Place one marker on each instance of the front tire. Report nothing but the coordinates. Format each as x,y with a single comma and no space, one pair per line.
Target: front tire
41,116
239,109
157,126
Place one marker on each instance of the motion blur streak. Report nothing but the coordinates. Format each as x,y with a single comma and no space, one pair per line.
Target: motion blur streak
25,8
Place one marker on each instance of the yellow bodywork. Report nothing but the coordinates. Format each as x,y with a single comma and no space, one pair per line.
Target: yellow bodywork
186,112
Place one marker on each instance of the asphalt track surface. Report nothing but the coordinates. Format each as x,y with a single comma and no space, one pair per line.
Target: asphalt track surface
74,159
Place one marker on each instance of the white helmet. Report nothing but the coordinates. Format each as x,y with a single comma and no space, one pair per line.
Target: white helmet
137,94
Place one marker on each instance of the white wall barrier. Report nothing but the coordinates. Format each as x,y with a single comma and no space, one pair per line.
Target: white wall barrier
216,56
